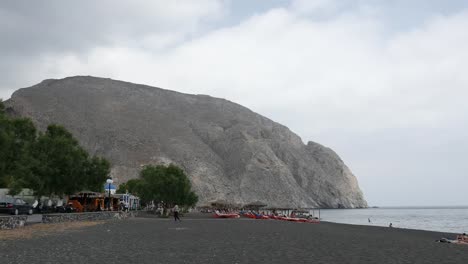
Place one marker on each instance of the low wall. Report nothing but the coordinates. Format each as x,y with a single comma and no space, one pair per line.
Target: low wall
90,216
14,221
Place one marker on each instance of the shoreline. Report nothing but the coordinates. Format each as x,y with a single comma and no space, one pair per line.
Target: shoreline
395,227
446,220
392,228
208,216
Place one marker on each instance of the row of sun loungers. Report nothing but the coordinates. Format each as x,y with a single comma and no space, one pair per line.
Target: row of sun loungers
264,217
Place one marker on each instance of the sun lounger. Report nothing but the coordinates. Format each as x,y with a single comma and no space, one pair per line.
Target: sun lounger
221,215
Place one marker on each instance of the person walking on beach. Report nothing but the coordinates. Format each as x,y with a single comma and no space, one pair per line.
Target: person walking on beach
175,210
391,225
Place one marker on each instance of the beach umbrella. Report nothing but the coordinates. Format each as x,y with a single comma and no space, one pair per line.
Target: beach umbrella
255,205
205,206
220,204
237,205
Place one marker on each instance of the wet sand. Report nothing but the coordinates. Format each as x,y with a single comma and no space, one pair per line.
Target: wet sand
200,239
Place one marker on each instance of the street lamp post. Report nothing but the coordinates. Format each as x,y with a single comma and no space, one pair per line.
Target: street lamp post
109,182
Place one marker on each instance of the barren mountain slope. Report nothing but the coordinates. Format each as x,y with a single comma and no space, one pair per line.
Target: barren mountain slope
228,151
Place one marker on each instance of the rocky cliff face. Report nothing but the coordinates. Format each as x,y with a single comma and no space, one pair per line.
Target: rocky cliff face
228,151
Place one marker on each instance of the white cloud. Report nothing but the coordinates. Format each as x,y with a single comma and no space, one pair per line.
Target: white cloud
39,34
314,7
339,73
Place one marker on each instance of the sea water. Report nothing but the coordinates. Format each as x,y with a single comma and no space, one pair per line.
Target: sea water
443,219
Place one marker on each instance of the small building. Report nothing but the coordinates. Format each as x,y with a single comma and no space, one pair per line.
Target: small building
128,201
112,188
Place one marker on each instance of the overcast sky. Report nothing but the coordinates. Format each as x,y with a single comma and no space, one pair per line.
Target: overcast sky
383,83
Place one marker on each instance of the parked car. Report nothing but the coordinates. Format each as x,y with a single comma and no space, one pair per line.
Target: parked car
15,206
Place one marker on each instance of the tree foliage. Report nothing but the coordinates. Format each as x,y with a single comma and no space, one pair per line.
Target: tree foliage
64,167
164,183
49,163
130,186
18,160
17,137
97,171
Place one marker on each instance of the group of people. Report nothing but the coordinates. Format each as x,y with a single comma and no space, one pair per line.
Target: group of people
463,238
369,220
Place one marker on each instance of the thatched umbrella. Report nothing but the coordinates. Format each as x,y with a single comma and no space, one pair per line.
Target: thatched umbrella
205,208
255,205
221,204
237,205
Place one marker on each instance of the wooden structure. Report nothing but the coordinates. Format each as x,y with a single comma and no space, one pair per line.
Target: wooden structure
254,206
87,201
303,212
224,205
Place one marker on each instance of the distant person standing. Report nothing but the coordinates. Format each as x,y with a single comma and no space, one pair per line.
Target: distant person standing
175,210
368,219
391,225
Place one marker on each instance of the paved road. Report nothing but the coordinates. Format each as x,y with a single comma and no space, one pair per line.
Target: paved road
153,240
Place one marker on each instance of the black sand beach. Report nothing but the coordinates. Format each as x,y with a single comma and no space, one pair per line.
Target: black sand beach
205,240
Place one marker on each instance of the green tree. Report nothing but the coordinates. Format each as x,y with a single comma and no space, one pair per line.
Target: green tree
131,186
5,142
97,171
2,107
166,183
63,166
17,137
52,163
5,145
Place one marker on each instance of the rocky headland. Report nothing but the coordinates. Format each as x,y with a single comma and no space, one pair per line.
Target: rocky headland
228,151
